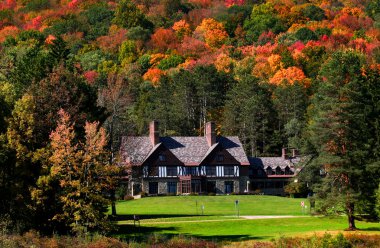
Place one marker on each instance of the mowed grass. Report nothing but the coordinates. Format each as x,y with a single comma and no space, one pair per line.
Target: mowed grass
242,229
181,215
213,205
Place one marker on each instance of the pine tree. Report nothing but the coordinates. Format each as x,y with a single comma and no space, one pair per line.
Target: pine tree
249,114
341,133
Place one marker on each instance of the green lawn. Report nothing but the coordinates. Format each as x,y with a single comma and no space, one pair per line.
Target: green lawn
213,205
241,229
182,215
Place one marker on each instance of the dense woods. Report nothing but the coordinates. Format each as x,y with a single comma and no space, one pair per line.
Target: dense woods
77,75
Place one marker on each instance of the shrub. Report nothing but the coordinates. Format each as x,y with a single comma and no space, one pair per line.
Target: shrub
128,198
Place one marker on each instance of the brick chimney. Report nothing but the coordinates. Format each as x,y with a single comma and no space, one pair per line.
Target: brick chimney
284,156
210,133
154,134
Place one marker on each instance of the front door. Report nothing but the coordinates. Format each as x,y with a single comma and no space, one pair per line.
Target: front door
228,187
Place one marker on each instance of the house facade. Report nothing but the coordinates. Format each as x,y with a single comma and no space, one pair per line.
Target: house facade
183,165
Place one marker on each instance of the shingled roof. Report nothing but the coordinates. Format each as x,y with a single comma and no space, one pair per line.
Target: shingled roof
189,150
274,162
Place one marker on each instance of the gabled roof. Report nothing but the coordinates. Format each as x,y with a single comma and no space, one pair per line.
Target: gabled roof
274,162
189,150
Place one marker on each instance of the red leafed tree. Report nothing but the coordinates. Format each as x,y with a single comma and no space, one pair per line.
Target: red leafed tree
113,40
192,47
91,76
164,39
229,3
35,23
9,4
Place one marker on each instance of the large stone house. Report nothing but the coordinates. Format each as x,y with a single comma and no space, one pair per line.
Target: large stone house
183,165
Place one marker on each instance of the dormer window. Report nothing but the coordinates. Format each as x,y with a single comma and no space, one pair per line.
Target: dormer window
220,158
162,157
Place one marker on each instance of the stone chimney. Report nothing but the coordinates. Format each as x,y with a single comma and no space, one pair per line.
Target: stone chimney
154,134
210,133
284,156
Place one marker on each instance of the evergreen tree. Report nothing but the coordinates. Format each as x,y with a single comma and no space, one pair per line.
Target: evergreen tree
341,133
249,115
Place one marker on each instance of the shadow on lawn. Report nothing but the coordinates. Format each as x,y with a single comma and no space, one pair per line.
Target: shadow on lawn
151,216
232,238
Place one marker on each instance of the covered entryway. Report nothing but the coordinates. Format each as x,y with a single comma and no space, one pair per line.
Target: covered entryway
190,184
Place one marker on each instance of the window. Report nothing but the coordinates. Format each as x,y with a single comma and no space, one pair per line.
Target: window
153,171
196,186
211,186
269,171
153,188
278,185
229,170
162,157
191,171
172,187
220,158
211,170
269,185
288,171
171,171
228,187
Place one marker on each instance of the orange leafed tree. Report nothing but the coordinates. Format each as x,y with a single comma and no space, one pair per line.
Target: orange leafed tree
290,75
80,173
153,75
182,29
212,32
164,39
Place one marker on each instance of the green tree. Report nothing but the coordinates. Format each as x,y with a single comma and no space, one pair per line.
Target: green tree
263,18
342,132
99,18
249,114
127,15
290,102
128,52
314,13
305,34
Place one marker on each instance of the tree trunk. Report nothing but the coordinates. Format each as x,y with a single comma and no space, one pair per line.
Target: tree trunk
351,218
113,205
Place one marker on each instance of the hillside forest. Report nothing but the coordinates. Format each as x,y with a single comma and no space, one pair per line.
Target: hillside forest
76,75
